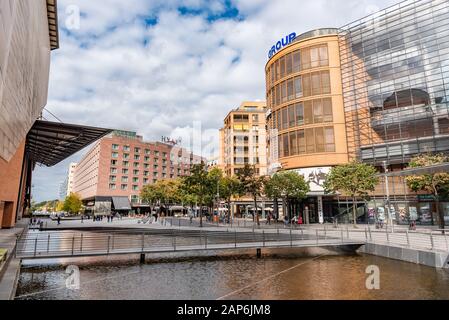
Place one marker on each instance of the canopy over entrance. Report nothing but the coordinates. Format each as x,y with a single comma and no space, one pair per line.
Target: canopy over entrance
48,143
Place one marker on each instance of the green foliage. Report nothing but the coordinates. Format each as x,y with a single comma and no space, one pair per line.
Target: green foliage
72,203
354,179
434,183
287,185
250,183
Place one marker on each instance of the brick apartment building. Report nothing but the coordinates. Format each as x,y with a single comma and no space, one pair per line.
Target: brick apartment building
115,169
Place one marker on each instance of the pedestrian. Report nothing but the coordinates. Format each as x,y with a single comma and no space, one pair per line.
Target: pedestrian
82,218
300,220
59,220
285,221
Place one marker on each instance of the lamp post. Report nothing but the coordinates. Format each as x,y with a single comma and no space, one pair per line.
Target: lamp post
387,191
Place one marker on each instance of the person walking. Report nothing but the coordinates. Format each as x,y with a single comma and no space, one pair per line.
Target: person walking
59,220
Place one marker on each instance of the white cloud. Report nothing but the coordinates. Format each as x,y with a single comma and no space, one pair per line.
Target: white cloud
159,78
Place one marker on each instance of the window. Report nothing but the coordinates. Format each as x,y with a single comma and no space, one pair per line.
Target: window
319,139
305,58
113,170
147,151
136,172
293,144
115,146
324,59
306,89
296,61
298,87
125,163
126,156
125,171
317,111
146,159
329,139
112,186
301,142
112,178
113,162
136,157
288,64
325,82
310,141
114,155
291,116
283,92
327,110
241,118
290,90
285,145
136,150
308,113
314,57
124,186
299,114
282,67
135,180
255,118
136,164
145,180
135,188
316,88
126,148
124,179
284,119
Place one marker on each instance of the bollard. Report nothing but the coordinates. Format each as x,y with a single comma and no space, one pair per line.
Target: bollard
48,243
142,258
259,252
109,240
35,246
81,242
73,244
235,238
291,239
388,238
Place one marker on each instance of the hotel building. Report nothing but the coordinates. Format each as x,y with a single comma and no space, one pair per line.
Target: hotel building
112,173
243,139
375,90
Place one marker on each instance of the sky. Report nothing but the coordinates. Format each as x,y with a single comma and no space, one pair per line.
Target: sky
170,68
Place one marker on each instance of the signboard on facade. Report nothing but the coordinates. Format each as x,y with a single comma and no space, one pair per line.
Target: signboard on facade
315,176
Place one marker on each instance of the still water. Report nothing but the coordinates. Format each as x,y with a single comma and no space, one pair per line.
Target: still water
280,274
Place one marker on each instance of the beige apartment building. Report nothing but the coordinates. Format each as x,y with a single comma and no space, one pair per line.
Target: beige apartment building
116,168
243,138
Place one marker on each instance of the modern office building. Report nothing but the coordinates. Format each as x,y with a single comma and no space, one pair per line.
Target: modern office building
375,90
112,173
243,139
25,46
70,177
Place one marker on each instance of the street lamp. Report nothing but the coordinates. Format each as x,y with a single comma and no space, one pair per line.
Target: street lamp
387,191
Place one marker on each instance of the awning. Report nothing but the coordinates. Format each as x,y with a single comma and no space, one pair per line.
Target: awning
52,14
121,203
48,143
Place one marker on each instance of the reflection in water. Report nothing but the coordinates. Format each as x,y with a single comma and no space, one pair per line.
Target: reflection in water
304,277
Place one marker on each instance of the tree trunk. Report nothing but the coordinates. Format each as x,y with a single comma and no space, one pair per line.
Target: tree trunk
440,213
256,212
354,210
201,213
276,208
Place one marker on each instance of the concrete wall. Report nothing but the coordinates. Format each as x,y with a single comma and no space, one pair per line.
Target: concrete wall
437,259
24,69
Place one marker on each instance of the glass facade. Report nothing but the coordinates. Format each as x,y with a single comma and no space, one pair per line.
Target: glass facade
395,74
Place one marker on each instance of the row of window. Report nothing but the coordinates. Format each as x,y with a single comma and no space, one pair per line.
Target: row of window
145,173
313,140
311,84
126,156
245,118
113,186
303,113
137,150
125,163
296,61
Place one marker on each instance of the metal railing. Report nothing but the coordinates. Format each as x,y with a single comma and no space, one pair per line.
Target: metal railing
71,244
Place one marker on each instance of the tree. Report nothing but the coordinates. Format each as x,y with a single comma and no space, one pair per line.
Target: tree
354,179
197,184
230,187
252,185
72,203
434,183
287,185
